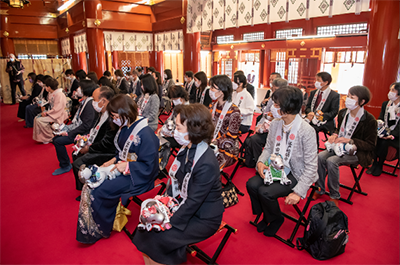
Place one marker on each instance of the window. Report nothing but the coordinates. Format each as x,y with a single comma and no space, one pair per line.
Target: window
281,34
293,70
253,36
224,39
280,63
342,29
226,67
33,56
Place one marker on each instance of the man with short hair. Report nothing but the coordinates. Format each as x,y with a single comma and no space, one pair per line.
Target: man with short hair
272,77
135,83
151,70
323,105
249,87
15,69
101,136
190,86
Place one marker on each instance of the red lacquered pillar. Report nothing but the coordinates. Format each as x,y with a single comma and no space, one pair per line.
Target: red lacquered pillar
383,51
159,62
82,62
114,61
191,53
97,59
7,44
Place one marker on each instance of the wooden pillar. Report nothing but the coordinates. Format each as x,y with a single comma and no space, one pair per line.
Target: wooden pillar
159,62
114,61
7,44
82,61
191,52
383,52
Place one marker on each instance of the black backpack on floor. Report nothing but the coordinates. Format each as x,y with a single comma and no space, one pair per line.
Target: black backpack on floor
326,233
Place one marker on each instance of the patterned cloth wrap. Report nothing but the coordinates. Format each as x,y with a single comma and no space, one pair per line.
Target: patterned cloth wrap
382,130
341,149
59,128
156,213
277,168
80,142
94,176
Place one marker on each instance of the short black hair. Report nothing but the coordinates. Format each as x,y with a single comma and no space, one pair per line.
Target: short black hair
46,77
139,69
104,81
198,122
87,87
239,72
107,73
203,79
80,75
106,92
69,72
168,72
39,77
189,74
151,69
397,87
278,75
240,79
224,83
52,83
125,107
119,72
289,99
362,92
32,75
325,76
178,92
93,76
149,84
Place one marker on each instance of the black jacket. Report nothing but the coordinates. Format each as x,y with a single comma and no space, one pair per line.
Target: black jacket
192,95
15,67
207,99
88,118
104,141
396,131
74,87
250,89
330,108
124,87
364,136
36,90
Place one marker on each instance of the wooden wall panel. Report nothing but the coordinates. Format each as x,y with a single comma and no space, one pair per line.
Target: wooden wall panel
126,8
32,32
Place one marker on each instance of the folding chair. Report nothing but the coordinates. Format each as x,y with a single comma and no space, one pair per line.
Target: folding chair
229,178
356,187
195,251
392,155
241,150
326,134
300,221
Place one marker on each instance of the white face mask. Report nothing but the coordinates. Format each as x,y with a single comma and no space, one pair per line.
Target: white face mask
318,85
392,96
177,102
68,78
186,79
350,103
270,85
118,122
212,94
275,112
234,86
197,84
12,59
180,138
96,106
79,92
165,76
118,77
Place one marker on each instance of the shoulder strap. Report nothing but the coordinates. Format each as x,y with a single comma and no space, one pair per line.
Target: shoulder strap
322,227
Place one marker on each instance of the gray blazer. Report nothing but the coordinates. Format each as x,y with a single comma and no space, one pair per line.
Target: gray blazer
304,160
151,110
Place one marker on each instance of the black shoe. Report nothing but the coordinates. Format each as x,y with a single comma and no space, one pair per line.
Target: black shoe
371,169
377,171
274,226
78,198
261,226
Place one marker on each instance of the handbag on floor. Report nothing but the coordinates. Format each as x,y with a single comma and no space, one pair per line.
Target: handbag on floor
229,195
326,233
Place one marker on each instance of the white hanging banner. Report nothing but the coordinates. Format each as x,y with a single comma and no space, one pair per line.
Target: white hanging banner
207,16
260,8
231,13
219,14
277,10
245,14
128,41
297,9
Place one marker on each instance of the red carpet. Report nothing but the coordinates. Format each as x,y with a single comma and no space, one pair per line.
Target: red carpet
39,215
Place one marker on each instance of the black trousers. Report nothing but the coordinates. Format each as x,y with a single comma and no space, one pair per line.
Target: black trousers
244,128
88,159
264,198
14,85
59,143
381,150
31,111
253,147
322,128
21,108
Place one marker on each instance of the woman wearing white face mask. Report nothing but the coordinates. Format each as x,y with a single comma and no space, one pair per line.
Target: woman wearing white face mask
242,98
355,126
226,119
179,96
200,203
168,81
294,140
26,100
31,111
137,161
149,102
202,95
389,134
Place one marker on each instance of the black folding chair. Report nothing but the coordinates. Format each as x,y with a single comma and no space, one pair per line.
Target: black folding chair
195,251
299,221
392,155
356,187
241,150
228,178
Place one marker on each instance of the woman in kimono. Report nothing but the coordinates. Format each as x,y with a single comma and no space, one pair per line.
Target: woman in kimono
137,161
226,119
42,131
27,100
149,103
200,207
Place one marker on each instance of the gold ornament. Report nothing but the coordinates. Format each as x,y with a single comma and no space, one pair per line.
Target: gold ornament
262,45
6,34
182,20
83,23
97,22
302,43
232,47
67,30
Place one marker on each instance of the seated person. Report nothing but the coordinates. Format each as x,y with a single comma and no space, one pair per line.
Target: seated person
323,102
107,74
272,77
75,93
202,95
122,84
104,81
31,111
390,116
28,99
139,168
190,86
149,103
356,126
83,121
243,100
305,97
299,158
200,214
135,83
168,81
254,144
100,147
226,119
42,131
93,76
249,87
179,96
